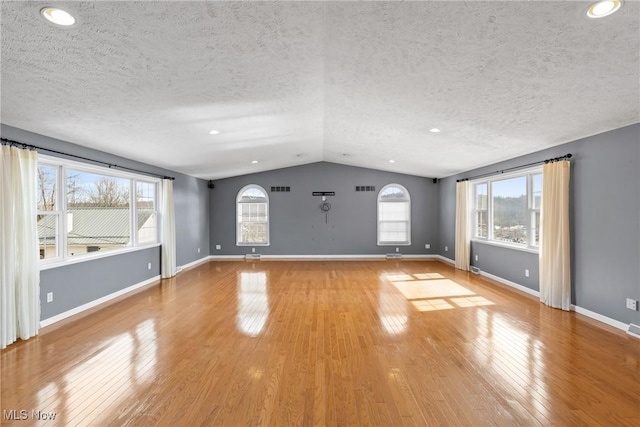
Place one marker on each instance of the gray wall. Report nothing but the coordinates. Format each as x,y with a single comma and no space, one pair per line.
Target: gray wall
77,284
298,227
605,224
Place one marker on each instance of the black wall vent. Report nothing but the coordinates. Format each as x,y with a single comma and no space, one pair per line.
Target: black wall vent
365,188
280,189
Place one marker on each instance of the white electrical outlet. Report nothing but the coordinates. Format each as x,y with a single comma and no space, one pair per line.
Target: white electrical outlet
397,249
526,272
476,258
218,247
49,296
253,249
632,304
149,266
446,248
198,250
427,246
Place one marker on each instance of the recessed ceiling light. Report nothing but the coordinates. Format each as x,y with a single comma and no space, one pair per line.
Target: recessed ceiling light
392,161
254,162
58,16
214,132
434,130
603,8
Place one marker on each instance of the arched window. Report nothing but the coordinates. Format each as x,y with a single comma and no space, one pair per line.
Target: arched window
252,213
394,215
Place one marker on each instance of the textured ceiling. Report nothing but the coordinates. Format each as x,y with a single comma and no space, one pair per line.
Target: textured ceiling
298,82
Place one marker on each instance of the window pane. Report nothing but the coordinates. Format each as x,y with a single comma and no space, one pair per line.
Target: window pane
481,224
481,197
252,212
394,231
535,223
510,210
98,215
48,235
252,195
394,211
146,216
47,183
253,232
393,193
537,191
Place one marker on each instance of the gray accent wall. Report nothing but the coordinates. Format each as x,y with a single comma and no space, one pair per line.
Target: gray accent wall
298,227
605,224
77,284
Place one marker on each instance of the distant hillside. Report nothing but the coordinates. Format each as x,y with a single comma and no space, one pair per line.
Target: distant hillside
510,211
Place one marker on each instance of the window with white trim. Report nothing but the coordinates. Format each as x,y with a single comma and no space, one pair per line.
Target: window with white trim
394,216
506,210
84,210
252,213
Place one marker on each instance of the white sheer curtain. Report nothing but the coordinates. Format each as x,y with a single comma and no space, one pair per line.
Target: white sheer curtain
168,230
463,226
555,257
19,273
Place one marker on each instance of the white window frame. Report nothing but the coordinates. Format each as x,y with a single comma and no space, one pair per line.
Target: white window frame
379,221
239,223
476,210
63,165
530,246
57,213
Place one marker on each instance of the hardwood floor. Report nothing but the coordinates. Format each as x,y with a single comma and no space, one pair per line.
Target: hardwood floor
325,343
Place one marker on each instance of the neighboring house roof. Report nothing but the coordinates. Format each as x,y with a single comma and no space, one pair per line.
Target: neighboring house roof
94,226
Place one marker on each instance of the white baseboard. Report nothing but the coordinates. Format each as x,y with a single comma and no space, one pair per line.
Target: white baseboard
634,330
593,315
193,263
510,284
321,257
97,302
599,317
226,257
445,260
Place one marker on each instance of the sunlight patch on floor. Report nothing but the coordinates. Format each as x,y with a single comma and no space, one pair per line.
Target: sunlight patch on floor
432,291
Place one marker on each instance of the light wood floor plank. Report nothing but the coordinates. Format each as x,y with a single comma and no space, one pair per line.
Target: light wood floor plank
323,344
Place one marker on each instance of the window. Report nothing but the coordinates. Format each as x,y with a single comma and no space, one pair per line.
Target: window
252,208
394,216
481,213
98,211
146,212
507,210
49,211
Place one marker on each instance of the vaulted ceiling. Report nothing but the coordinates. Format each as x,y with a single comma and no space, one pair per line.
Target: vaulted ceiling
289,83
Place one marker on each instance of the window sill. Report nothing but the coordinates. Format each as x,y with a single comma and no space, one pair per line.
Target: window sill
252,244
47,265
506,246
394,244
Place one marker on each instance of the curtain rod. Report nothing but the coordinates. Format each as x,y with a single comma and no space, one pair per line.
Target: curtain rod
109,165
555,159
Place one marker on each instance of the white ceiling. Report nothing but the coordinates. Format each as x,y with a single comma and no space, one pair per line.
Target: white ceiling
298,82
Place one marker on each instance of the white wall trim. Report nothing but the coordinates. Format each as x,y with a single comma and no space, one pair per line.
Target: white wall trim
633,334
225,257
510,284
97,302
193,263
599,317
321,257
445,260
593,315
425,256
